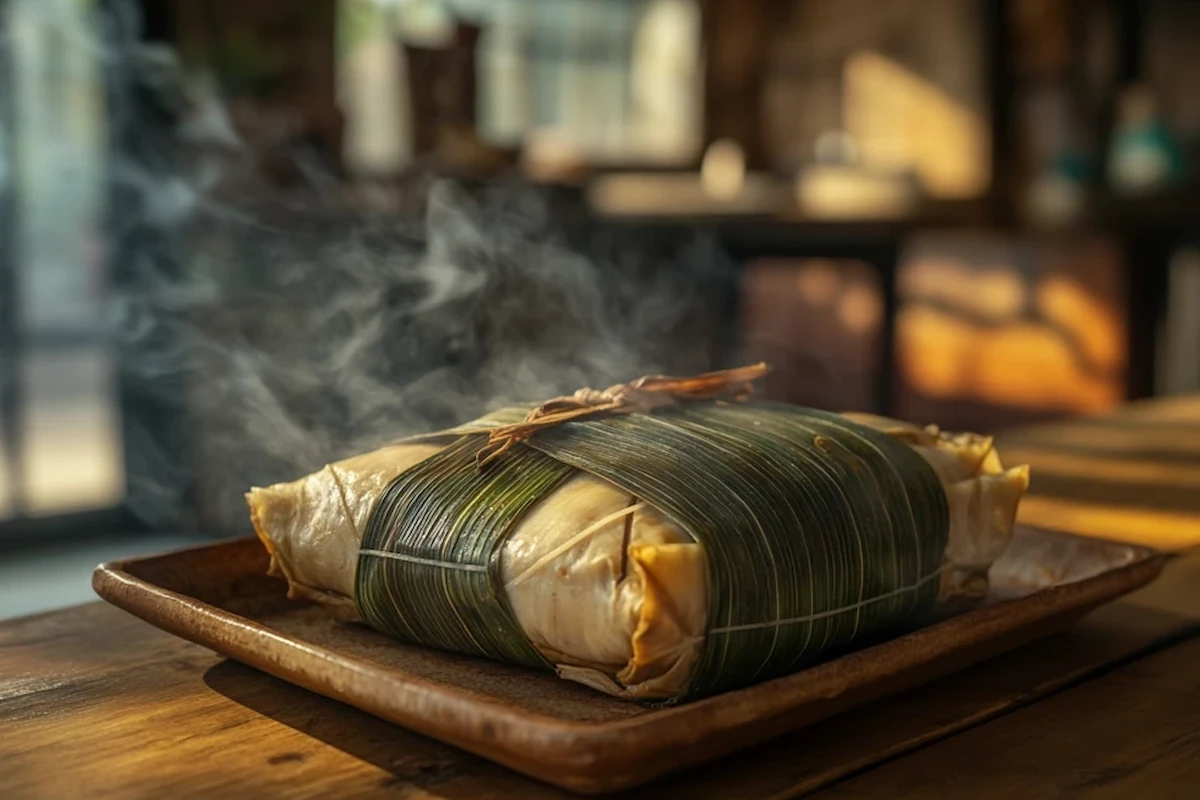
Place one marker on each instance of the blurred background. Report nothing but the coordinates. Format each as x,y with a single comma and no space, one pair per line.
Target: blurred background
241,239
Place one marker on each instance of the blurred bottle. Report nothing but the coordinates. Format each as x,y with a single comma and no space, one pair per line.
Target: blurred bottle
1144,156
1058,195
1058,148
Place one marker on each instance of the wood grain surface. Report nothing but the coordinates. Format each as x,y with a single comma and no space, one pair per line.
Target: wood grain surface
1133,732
1133,475
94,697
96,703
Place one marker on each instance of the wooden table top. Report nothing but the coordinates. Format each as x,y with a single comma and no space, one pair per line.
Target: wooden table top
96,703
1133,475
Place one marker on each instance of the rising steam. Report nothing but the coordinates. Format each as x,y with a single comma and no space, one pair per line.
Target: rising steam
264,335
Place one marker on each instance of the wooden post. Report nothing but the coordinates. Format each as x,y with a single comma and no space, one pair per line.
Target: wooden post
736,44
296,70
998,43
10,332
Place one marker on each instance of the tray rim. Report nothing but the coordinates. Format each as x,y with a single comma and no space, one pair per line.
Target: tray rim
585,756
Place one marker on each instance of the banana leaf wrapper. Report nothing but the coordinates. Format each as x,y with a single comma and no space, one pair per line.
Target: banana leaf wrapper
659,556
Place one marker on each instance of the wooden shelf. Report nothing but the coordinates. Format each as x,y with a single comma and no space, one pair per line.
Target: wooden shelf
767,207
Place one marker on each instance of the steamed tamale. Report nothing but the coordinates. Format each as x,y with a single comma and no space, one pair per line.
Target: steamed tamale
659,540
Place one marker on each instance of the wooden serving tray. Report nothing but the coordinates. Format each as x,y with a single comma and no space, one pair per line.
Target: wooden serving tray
219,596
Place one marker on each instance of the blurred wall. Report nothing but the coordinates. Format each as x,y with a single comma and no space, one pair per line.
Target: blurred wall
834,65
992,331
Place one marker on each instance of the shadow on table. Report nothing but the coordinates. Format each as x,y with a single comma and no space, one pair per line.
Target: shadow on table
414,761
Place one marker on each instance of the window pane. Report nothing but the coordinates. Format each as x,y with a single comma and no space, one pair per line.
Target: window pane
59,135
71,453
65,453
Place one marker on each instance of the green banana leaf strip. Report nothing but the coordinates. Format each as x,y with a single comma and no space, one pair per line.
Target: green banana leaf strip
818,531
429,567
